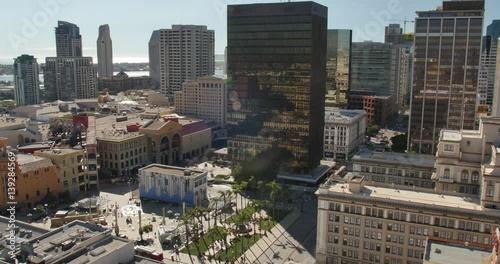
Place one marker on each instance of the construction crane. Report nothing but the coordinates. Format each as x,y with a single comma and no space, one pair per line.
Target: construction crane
404,23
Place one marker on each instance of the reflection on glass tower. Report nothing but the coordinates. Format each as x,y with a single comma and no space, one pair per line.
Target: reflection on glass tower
445,72
276,72
338,66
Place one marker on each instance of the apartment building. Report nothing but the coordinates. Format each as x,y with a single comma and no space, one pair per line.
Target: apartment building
204,98
71,165
186,53
26,83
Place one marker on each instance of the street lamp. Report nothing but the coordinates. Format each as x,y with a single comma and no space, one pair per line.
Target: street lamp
130,190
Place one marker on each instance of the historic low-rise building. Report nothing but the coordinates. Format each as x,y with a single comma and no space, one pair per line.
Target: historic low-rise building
372,224
173,184
35,179
344,131
389,169
71,166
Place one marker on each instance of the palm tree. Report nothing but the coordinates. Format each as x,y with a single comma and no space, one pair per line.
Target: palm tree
260,185
226,195
236,191
242,187
275,191
198,213
216,201
186,220
251,182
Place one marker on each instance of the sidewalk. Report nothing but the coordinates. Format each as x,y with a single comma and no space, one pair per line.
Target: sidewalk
259,249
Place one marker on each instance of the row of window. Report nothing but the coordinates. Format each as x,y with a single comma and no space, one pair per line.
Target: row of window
400,216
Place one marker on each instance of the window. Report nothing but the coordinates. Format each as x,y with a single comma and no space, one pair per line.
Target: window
446,173
475,176
449,148
465,176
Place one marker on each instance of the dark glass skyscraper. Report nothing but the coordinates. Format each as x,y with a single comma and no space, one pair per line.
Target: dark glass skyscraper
338,67
445,72
68,40
276,72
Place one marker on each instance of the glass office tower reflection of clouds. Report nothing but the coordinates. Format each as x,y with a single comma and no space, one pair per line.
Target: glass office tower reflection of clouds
276,80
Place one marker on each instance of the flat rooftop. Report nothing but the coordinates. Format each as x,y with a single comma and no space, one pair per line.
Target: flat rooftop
61,151
104,248
404,158
75,233
8,121
27,159
438,252
35,145
451,135
20,236
333,115
171,170
312,177
414,197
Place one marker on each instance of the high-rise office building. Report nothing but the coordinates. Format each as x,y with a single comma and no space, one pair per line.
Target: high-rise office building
394,34
276,81
445,71
406,69
187,52
488,63
68,40
338,67
104,52
26,83
154,58
496,94
375,68
69,78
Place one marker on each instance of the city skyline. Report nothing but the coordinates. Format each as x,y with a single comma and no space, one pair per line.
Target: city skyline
32,32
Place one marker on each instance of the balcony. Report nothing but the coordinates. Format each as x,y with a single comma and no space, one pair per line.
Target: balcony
445,179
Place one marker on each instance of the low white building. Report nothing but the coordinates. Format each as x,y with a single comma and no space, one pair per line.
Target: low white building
173,184
344,131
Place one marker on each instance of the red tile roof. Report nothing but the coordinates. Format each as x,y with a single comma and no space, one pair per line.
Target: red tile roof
194,127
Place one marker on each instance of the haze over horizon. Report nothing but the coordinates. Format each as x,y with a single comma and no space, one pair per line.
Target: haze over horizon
32,24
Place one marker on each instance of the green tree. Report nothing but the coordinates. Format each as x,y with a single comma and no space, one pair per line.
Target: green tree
238,173
274,195
372,130
209,153
399,143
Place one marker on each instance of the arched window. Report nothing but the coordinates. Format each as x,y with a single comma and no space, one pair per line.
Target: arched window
465,175
475,176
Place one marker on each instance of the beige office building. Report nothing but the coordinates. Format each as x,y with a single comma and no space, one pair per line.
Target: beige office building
362,220
358,223
122,154
205,98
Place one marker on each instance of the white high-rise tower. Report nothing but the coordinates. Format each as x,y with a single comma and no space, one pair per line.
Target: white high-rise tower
104,52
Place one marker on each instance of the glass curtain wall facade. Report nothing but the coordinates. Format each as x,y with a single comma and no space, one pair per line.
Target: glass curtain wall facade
338,67
276,59
445,72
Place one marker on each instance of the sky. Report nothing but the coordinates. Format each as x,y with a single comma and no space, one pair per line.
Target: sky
28,26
